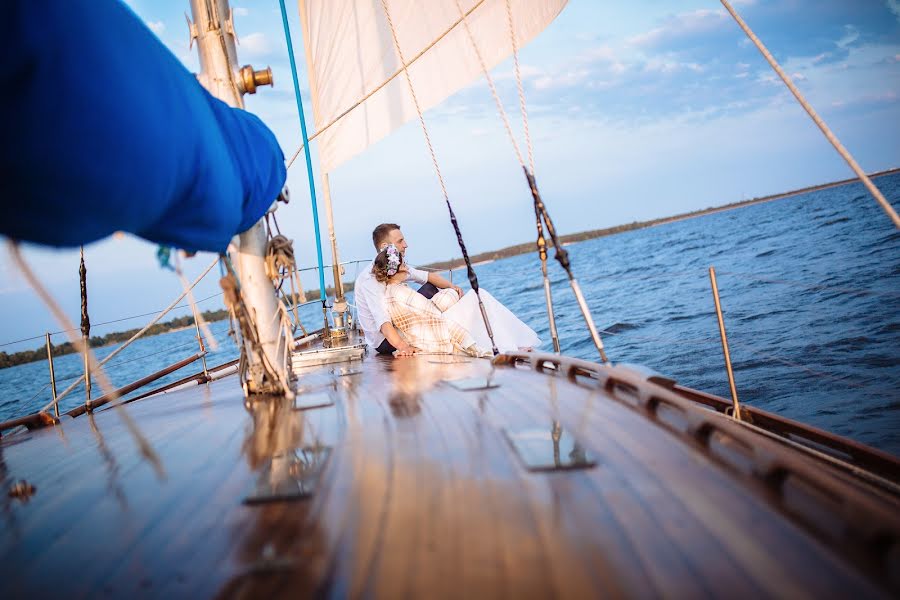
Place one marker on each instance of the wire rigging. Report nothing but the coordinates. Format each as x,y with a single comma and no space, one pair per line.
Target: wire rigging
876,193
542,216
473,278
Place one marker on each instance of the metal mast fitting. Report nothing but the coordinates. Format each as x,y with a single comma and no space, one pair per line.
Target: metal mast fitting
213,30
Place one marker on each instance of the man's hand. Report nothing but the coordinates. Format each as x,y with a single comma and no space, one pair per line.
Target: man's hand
439,282
396,340
404,351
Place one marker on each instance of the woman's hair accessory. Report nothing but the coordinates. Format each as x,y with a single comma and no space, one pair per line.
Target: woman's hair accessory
393,259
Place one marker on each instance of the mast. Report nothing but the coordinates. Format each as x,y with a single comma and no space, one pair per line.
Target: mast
340,303
213,29
309,169
340,307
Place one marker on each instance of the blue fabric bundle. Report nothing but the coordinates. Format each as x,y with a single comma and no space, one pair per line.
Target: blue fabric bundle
103,130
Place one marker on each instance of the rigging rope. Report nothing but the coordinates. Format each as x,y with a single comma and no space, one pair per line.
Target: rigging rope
309,168
198,316
542,216
85,326
139,333
473,279
515,53
145,448
541,242
273,380
879,197
280,265
385,82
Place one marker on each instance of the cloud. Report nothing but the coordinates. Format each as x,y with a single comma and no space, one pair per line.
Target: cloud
156,27
851,35
241,11
599,66
684,26
691,66
255,45
894,7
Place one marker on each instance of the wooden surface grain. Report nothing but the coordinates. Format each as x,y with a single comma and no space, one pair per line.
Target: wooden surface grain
421,494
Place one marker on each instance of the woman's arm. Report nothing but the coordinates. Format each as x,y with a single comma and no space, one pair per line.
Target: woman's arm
417,302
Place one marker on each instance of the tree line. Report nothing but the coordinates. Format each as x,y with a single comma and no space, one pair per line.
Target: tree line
97,341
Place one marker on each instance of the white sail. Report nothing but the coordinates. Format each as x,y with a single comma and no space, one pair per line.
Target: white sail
351,57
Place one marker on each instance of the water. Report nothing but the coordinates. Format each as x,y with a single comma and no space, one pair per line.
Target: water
810,288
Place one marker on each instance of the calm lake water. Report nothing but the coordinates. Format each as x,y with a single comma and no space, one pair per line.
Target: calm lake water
810,288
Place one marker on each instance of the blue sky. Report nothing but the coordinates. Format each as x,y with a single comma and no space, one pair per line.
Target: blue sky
638,109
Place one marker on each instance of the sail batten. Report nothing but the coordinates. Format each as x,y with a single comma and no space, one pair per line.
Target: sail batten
358,97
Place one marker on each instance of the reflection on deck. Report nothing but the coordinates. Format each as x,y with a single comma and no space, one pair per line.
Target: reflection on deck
400,478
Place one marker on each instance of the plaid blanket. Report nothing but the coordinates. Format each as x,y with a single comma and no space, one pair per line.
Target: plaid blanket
423,324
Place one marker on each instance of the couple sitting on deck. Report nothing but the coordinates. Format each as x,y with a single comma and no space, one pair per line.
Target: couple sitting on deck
439,318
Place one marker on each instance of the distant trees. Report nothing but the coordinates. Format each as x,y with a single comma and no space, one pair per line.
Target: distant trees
27,356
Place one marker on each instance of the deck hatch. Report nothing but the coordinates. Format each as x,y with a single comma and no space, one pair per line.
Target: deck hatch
449,360
312,400
549,449
289,476
314,358
470,384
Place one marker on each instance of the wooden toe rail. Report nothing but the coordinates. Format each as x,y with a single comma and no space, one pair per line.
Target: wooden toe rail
847,512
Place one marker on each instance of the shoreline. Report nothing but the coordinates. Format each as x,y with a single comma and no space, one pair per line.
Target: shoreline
571,238
178,324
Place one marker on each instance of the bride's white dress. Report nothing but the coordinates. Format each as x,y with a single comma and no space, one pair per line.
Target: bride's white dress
510,333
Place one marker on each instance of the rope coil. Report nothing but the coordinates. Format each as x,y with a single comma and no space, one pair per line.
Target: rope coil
272,382
280,265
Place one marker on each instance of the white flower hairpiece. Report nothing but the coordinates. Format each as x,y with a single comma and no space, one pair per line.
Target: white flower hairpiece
393,259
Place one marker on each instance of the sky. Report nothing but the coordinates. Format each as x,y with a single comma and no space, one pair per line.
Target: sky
637,109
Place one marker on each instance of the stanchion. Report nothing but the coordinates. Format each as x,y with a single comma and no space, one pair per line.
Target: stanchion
52,376
734,396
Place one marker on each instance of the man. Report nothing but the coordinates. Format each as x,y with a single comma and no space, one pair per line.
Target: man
369,293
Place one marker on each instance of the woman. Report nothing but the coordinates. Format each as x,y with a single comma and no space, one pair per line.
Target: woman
447,324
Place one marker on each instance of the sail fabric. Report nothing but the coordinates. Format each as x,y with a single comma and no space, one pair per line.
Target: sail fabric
104,130
350,53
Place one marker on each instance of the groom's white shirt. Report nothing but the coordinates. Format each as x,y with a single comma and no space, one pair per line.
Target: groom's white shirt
370,309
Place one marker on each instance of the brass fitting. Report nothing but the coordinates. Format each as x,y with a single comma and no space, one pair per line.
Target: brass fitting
253,79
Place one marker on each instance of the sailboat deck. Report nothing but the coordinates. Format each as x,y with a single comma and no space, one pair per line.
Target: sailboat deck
397,483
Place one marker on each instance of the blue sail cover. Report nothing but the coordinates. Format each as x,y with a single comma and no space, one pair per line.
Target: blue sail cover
104,130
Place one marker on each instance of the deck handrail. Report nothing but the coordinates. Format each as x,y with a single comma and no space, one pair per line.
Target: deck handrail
710,341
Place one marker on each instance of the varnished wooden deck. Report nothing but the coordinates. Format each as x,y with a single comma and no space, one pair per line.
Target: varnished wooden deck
420,494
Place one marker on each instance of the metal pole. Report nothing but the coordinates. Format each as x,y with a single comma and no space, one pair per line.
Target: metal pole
540,211
548,297
309,169
554,334
336,267
85,330
339,309
734,396
586,313
213,29
52,375
200,342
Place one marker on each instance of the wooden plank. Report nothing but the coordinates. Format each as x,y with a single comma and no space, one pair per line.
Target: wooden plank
779,557
422,495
